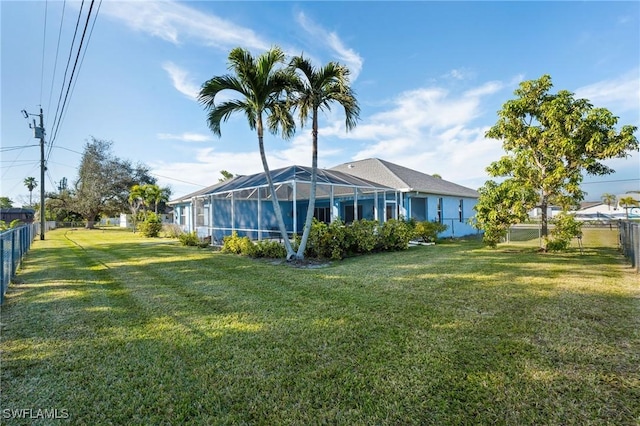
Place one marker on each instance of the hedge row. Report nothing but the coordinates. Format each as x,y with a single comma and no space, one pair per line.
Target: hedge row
337,240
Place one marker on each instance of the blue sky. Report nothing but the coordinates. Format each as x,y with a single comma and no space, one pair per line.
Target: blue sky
429,76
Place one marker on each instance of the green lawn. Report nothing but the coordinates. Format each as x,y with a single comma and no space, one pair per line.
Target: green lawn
118,329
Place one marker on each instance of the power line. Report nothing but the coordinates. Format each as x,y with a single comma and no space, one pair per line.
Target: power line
70,150
55,63
44,39
95,17
64,79
178,180
612,181
13,148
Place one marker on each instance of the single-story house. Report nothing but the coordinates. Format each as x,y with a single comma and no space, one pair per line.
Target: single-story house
599,211
371,189
8,215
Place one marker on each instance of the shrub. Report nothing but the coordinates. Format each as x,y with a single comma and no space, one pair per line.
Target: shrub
238,245
428,231
269,249
566,228
362,236
171,230
152,226
189,239
14,224
394,235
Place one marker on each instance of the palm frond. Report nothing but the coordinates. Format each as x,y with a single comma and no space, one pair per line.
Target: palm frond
222,112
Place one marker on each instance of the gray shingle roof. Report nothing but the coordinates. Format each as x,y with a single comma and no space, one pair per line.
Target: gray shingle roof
403,178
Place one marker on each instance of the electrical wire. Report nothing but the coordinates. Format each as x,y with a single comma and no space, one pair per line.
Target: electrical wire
55,63
75,64
95,17
13,148
44,40
64,79
178,180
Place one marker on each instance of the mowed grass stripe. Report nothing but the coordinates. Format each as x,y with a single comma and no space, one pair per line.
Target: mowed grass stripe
155,333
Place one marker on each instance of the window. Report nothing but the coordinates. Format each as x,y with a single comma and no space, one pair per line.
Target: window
461,211
199,204
323,214
439,217
349,213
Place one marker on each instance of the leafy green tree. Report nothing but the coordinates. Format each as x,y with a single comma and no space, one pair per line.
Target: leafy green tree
226,175
5,203
104,182
608,199
315,89
31,183
59,207
550,141
628,203
261,86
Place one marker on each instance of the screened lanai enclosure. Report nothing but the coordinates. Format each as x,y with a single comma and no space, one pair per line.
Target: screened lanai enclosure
244,204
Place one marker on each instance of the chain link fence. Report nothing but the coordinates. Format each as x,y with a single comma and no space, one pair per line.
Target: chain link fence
630,242
14,244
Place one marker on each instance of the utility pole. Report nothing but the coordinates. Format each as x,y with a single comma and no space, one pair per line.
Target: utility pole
38,133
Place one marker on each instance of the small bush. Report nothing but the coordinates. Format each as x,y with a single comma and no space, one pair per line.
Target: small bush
362,236
269,249
189,239
238,245
152,226
566,228
394,235
428,231
171,230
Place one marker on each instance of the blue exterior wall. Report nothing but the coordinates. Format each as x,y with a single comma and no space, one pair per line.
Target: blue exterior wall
416,205
449,213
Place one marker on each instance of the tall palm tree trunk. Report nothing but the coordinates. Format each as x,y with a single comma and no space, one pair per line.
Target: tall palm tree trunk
312,190
274,197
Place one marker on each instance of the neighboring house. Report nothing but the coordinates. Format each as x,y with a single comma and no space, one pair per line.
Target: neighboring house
368,189
552,211
13,213
597,210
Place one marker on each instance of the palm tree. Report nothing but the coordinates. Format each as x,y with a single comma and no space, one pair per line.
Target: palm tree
156,195
627,203
31,184
608,199
261,86
136,200
315,90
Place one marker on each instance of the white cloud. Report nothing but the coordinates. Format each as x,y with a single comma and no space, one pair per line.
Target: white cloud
431,129
345,55
181,81
186,137
459,74
486,89
173,22
620,94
